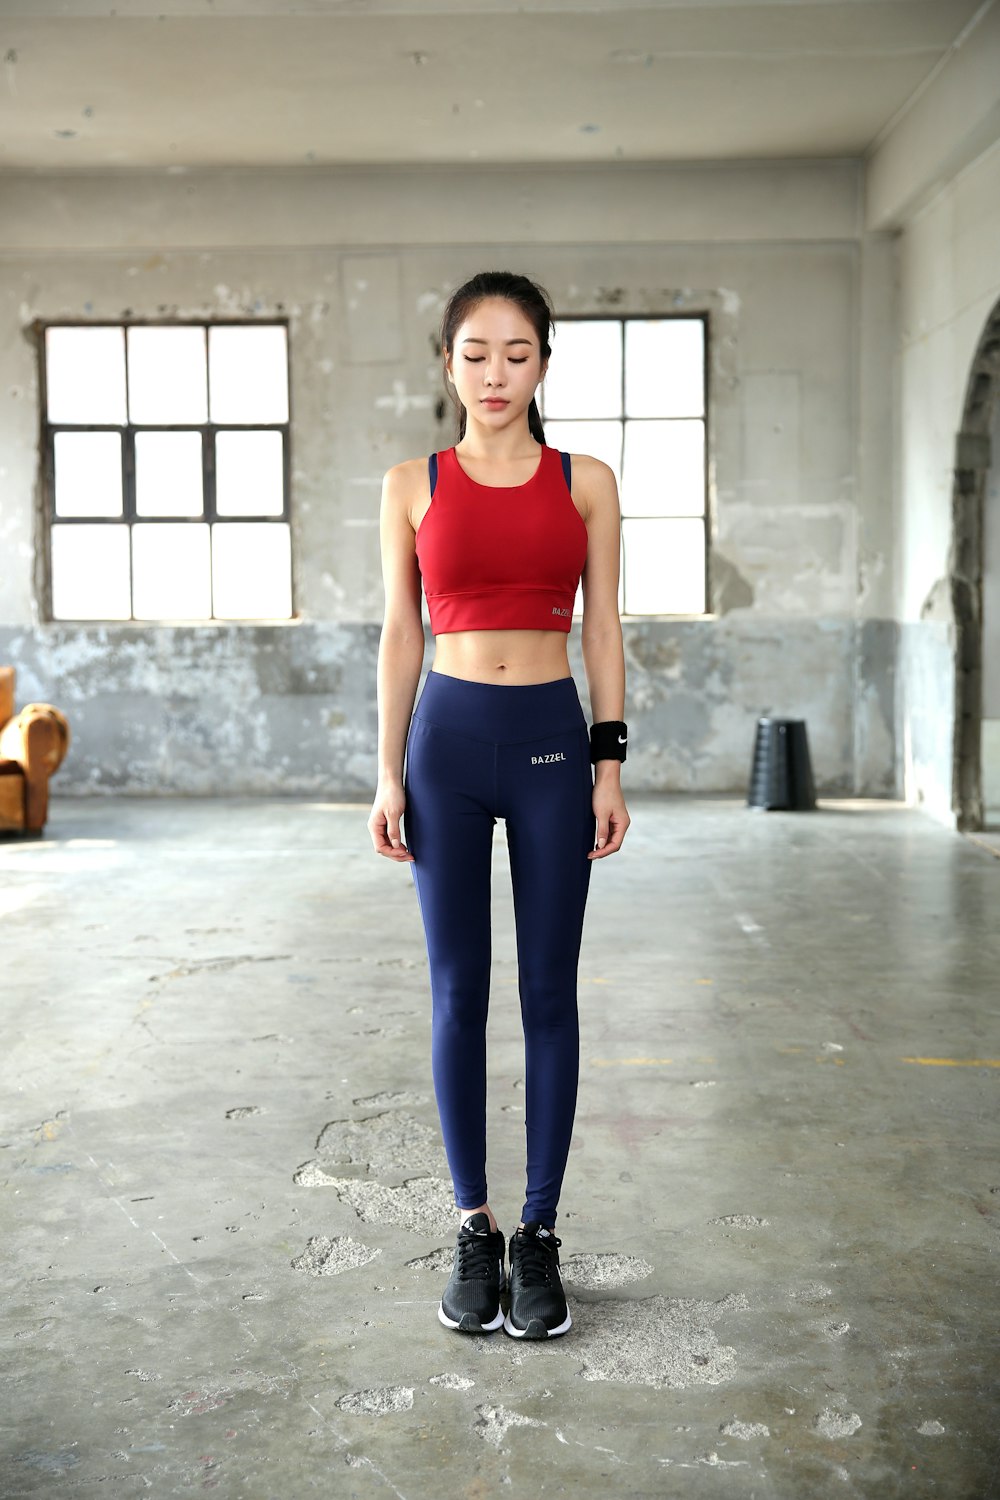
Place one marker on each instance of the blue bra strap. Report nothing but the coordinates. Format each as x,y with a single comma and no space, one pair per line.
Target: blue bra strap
432,470
566,469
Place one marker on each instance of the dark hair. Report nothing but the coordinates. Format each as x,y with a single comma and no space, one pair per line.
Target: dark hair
533,301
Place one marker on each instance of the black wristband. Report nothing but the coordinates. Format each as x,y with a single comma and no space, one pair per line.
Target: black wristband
608,740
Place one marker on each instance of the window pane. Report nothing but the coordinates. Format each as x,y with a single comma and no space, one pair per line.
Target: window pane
585,371
90,572
664,469
88,473
167,375
85,374
248,374
251,571
664,567
601,440
249,474
170,569
664,367
168,474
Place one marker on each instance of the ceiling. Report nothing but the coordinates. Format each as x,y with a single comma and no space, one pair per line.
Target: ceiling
173,84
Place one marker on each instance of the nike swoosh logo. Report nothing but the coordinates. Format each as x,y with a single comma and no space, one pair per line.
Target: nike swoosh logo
621,739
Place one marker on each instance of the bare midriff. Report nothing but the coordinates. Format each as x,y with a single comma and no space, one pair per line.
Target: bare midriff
517,657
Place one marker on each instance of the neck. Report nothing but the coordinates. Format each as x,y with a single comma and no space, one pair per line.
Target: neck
503,444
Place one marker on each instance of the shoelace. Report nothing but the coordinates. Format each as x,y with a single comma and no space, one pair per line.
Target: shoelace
477,1257
534,1258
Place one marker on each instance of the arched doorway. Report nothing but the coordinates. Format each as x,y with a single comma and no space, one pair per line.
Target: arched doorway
975,546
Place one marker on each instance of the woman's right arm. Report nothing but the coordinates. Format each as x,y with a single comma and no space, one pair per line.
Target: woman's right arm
400,655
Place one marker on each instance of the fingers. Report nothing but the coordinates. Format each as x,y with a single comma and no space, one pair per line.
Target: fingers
400,855
397,852
386,837
610,833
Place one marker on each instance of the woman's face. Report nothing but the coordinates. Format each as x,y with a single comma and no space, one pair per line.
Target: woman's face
496,354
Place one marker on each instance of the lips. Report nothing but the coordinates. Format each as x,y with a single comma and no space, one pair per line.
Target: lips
493,401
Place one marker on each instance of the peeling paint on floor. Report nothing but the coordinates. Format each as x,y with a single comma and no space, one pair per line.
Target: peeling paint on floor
423,1205
440,1261
496,1421
835,1424
326,1257
609,1269
377,1402
744,1430
658,1341
384,1142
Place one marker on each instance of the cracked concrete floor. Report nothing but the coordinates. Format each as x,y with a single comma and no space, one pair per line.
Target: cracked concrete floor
227,1218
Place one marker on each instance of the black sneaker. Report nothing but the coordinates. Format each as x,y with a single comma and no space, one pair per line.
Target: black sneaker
537,1302
471,1301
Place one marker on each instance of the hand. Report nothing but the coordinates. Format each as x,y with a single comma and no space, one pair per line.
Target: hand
612,818
383,822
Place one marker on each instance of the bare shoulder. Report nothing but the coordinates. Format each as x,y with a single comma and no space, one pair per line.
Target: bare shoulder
404,484
589,467
406,474
594,483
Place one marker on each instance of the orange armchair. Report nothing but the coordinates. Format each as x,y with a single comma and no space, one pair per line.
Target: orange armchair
33,746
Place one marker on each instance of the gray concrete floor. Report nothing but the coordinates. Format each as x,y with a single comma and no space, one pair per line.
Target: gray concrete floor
226,1212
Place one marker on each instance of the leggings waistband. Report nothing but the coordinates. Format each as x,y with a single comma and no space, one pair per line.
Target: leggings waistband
502,712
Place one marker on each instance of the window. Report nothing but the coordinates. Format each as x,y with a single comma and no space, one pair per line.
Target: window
631,391
166,471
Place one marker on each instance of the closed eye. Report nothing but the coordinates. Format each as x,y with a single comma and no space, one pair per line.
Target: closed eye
481,358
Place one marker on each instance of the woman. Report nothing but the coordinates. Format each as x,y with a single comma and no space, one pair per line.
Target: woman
499,539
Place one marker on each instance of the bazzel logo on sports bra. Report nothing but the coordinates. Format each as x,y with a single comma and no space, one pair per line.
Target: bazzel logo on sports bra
557,611
538,760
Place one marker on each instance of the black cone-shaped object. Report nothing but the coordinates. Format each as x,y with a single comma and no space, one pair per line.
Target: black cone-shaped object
781,774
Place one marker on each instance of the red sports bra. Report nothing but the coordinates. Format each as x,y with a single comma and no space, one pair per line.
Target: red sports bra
501,557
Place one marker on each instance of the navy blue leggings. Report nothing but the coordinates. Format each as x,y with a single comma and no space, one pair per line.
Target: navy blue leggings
476,751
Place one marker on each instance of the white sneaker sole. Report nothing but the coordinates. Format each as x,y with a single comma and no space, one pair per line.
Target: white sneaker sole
536,1329
470,1323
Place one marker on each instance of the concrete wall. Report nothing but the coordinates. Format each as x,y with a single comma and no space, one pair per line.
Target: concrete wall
991,629
800,438
933,177
949,281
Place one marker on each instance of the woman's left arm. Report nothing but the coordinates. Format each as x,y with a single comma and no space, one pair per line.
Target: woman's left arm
601,639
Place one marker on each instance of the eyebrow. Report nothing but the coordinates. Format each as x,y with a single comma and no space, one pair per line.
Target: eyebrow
486,341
